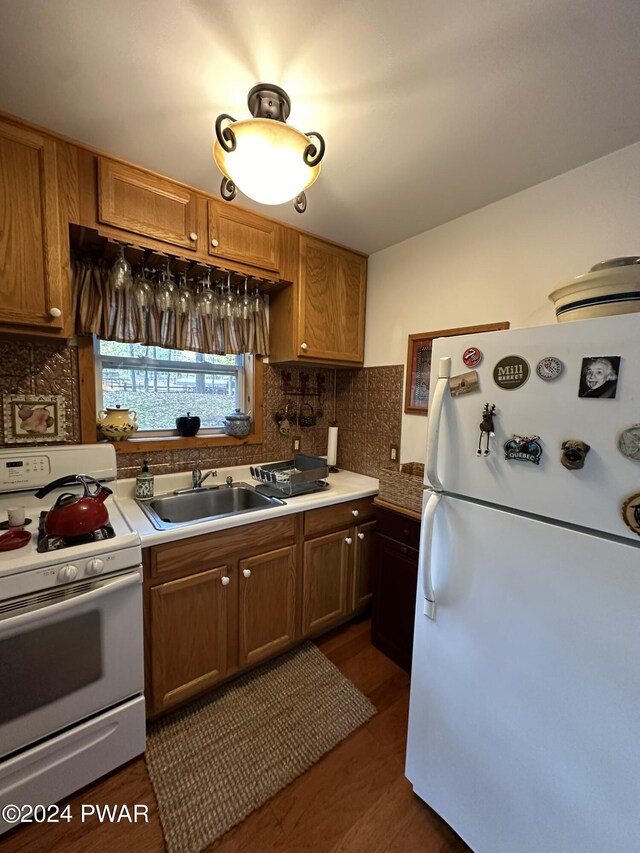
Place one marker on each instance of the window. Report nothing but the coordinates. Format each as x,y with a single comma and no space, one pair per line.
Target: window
162,384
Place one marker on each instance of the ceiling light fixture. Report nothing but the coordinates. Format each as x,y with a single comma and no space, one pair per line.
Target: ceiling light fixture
270,161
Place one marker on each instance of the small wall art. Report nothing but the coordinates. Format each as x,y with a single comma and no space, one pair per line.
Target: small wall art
416,398
30,418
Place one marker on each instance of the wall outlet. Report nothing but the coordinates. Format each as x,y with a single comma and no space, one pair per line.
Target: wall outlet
393,452
295,443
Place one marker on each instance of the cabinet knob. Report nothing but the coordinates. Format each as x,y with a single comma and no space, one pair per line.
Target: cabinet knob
224,580
215,243
355,513
348,540
403,550
360,535
304,347
246,573
193,236
55,312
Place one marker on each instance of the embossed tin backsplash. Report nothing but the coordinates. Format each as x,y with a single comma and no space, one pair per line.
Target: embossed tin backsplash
365,402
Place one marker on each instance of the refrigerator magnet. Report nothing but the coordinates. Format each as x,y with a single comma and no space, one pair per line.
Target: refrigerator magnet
574,453
511,372
599,376
549,368
631,513
524,447
464,383
472,357
486,428
629,442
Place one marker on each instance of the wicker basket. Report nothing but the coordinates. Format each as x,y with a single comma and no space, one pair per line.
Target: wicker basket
403,486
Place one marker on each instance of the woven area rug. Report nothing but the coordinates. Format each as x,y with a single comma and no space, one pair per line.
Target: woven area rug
216,760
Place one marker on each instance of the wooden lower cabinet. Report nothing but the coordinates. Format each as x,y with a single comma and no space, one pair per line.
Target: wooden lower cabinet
220,603
395,578
336,566
267,605
362,575
325,598
189,624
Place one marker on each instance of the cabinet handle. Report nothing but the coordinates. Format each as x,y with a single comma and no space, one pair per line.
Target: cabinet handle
360,535
246,573
193,236
215,243
304,347
355,512
348,540
225,581
55,312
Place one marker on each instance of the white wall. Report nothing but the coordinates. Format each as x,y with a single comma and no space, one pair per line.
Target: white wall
500,263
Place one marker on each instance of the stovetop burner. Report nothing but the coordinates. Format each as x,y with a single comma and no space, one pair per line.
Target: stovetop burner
56,543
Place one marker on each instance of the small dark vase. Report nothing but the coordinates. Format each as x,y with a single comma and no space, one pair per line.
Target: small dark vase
187,426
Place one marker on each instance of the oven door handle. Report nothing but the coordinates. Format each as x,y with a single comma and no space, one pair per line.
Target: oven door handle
46,610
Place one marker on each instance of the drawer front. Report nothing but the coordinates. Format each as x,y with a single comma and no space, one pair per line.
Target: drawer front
202,552
399,527
335,516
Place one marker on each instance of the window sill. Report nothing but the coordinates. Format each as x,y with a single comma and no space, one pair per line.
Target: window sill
177,442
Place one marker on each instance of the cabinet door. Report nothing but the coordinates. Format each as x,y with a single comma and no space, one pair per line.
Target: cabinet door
31,270
362,574
267,604
325,597
188,624
146,204
394,599
332,302
242,236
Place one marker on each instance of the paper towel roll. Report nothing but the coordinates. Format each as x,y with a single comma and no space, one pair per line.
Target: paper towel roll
332,446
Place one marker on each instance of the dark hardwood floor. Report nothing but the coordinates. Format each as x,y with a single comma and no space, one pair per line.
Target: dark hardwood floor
354,800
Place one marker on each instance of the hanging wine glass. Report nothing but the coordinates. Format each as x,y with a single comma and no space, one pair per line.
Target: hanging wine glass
244,302
142,288
184,299
206,300
167,291
258,302
120,275
229,300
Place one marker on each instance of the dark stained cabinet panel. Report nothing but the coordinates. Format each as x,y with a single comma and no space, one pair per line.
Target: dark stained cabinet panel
395,579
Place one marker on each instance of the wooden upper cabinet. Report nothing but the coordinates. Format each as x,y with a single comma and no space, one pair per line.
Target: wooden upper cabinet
321,317
33,282
147,204
332,302
243,236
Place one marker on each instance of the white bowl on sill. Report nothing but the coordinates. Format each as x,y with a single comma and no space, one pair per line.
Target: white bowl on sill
611,287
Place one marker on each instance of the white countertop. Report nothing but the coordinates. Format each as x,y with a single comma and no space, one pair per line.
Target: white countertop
343,486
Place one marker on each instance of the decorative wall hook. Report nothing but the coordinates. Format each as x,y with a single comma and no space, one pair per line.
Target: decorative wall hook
486,428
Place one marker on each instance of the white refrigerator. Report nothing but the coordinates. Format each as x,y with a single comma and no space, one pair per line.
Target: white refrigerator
524,720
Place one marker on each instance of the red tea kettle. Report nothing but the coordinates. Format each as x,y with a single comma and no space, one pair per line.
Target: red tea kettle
76,515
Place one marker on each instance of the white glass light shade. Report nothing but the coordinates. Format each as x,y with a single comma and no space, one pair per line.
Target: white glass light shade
267,164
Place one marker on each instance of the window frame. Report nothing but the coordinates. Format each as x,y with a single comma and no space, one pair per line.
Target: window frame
89,377
238,371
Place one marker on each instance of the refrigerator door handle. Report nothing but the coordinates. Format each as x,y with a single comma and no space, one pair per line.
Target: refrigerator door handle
426,547
433,427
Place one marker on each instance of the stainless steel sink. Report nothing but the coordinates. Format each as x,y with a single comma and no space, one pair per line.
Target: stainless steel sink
172,509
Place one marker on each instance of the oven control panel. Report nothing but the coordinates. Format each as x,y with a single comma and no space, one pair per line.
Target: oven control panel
23,472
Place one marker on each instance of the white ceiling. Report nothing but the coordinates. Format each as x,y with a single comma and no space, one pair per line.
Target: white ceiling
429,108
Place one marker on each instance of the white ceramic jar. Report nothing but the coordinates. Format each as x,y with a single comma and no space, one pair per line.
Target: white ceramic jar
611,287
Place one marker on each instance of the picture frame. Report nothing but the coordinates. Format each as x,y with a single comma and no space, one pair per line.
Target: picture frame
34,418
416,397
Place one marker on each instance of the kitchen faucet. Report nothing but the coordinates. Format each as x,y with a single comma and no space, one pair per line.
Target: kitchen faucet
198,477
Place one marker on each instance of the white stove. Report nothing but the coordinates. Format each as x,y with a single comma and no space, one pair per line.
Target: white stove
71,659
